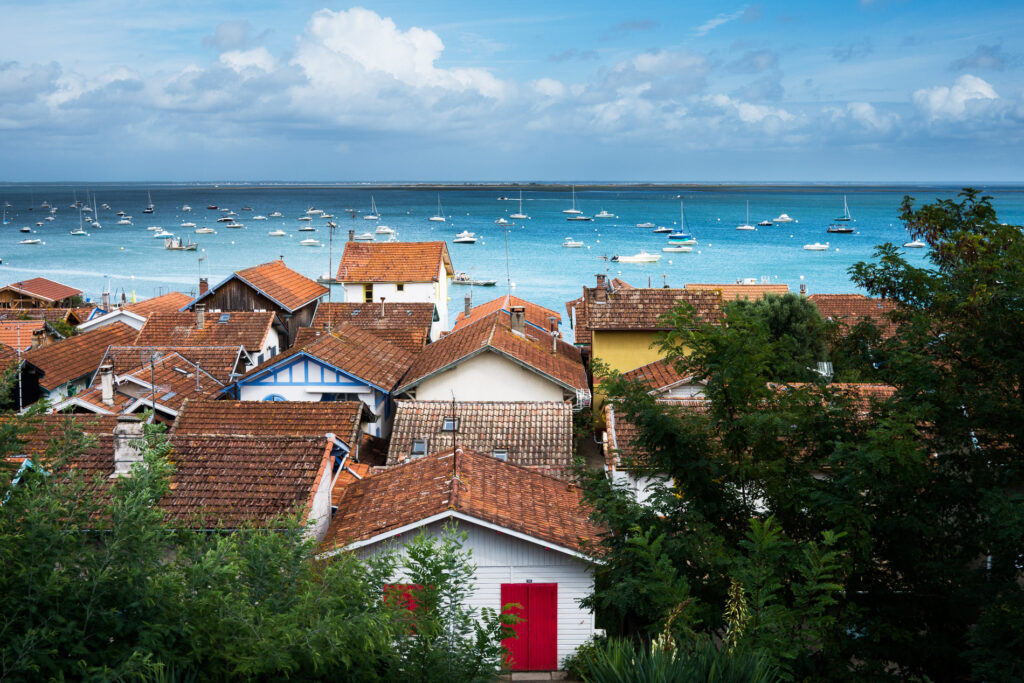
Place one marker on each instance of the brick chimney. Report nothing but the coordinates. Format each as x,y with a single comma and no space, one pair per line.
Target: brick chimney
518,316
351,235
127,435
107,384
204,286
553,325
803,290
601,292
200,316
467,306
106,301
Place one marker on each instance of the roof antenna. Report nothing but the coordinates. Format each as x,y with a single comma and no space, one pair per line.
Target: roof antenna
508,272
455,423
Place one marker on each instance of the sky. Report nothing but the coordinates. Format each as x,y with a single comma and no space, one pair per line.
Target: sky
448,91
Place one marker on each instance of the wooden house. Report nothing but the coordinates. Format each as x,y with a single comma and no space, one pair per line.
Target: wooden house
38,292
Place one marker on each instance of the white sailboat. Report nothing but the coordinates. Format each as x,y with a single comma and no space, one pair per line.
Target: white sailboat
746,225
149,203
574,211
374,215
438,218
519,215
95,213
846,212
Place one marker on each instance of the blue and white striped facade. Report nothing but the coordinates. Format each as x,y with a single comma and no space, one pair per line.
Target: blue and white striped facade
303,377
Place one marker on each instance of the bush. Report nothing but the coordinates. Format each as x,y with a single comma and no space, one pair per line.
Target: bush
619,661
579,663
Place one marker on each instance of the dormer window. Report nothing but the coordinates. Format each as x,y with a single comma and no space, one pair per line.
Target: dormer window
419,448
450,424
500,454
400,287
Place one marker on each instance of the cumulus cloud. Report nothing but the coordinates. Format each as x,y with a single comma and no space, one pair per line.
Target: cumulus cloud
956,101
862,117
548,87
20,83
984,57
746,111
241,60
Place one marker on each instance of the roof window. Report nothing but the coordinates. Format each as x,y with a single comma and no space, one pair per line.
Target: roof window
500,454
450,424
419,448
224,317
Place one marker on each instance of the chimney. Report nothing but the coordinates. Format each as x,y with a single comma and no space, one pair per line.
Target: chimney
200,316
601,292
553,325
467,306
382,307
204,286
107,384
351,235
127,434
803,290
106,301
518,316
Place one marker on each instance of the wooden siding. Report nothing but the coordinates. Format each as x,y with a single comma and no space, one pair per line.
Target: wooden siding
235,295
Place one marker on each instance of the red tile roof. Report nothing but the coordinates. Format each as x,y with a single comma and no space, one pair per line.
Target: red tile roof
7,356
50,315
741,291
41,288
394,262
354,351
581,326
642,309
494,333
621,434
535,314
291,290
404,324
241,328
68,359
18,333
537,434
658,376
469,483
273,418
861,395
850,309
221,362
172,302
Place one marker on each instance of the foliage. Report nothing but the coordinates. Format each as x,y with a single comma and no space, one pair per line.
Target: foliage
871,541
621,661
446,639
794,330
64,328
579,663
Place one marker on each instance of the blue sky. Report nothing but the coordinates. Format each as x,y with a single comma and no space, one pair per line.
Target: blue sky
111,90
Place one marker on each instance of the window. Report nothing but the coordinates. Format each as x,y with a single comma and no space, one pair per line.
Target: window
334,396
274,397
400,287
419,448
450,424
501,454
368,293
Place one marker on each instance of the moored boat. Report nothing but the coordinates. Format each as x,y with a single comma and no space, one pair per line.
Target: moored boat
783,218
840,229
678,248
310,242
817,246
461,278
570,243
465,237
915,244
642,257
175,244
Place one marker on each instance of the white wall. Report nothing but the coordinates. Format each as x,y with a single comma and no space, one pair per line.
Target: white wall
432,292
501,558
489,377
320,511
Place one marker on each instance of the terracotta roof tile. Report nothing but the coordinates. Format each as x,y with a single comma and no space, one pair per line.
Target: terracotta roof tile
658,375
43,428
741,291
535,314
850,309
290,289
581,327
470,483
50,315
393,262
221,362
172,302
404,324
241,328
18,333
7,356
642,309
862,395
537,434
621,434
41,288
494,332
353,350
77,356
273,418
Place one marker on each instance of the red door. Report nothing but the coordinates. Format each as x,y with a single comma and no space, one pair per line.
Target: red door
536,648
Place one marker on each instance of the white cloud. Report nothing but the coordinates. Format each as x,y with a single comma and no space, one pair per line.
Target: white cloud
548,87
712,24
241,60
954,102
745,111
868,117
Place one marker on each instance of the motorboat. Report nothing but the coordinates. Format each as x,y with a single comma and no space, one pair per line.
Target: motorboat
277,233
307,219
501,221
186,208
385,230
276,214
461,278
570,243
25,229
311,212
519,215
579,218
765,223
246,208
235,226
162,233
817,246
122,213
31,240
573,211
661,229
840,229
175,244
647,224
365,237
125,221
212,207
188,224
604,214
846,213
51,218
259,218
228,219
374,215
783,218
154,228
642,257
465,237
678,249
205,231
307,228
438,217
746,225
310,242
327,215
915,244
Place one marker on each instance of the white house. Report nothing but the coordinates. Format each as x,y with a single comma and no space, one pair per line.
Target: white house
528,534
134,314
398,271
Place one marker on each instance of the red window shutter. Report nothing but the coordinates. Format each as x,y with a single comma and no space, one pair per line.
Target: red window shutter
518,648
542,620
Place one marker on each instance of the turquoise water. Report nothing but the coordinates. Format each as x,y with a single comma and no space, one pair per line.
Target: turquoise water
128,259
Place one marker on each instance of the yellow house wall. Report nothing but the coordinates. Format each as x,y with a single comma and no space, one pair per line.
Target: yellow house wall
625,350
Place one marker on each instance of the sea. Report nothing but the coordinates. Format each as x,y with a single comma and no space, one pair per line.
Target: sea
524,257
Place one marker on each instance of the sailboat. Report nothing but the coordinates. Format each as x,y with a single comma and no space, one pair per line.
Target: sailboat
95,213
439,218
746,225
519,215
149,203
374,215
5,214
573,210
680,240
80,232
846,212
